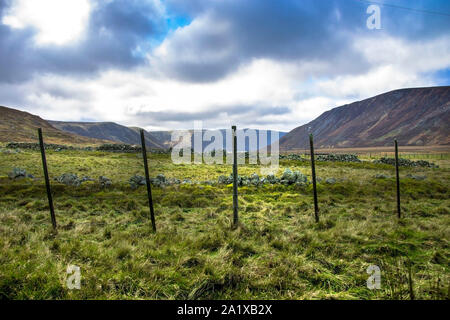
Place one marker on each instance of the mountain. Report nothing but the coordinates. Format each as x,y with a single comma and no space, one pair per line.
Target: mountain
20,126
131,135
415,117
108,131
227,144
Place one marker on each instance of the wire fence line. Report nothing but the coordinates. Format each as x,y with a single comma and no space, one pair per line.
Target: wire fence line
187,197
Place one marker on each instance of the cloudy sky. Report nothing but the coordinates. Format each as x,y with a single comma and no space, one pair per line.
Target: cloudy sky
255,63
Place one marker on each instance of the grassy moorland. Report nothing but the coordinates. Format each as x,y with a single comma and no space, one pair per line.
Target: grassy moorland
277,252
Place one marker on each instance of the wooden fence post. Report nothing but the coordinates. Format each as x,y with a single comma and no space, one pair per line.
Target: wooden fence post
313,170
47,180
399,214
235,178
147,180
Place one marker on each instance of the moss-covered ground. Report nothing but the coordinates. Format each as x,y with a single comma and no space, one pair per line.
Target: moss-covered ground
277,252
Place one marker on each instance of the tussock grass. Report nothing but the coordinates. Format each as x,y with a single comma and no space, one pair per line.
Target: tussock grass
277,251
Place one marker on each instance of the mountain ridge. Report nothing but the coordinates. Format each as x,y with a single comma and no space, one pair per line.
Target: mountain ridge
108,131
415,116
21,126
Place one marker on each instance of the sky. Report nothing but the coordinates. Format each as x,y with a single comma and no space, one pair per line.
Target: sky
163,64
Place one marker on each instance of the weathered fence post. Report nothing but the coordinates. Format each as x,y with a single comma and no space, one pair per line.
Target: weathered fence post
399,214
47,180
235,178
313,170
147,180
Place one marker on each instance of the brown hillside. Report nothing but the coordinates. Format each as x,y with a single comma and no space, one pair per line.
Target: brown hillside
20,126
415,117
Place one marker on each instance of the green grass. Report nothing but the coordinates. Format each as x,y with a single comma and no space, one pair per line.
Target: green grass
277,252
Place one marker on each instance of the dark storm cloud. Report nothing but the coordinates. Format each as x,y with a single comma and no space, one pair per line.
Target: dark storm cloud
307,30
244,30
115,30
231,33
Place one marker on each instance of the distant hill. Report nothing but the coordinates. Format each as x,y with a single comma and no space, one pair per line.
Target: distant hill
415,117
109,131
166,136
20,126
131,135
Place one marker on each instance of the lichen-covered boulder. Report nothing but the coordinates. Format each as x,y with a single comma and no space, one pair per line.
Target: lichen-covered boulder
272,179
17,173
172,181
104,181
239,179
136,181
161,178
86,178
411,176
300,178
288,177
254,179
223,180
406,163
69,179
244,181
338,157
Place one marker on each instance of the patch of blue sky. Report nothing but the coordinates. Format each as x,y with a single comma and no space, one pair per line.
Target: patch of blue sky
172,23
442,77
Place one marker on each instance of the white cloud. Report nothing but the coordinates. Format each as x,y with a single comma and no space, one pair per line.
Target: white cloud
57,22
263,83
395,64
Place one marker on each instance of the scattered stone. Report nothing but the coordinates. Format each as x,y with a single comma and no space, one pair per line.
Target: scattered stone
136,181
330,181
416,177
338,157
295,177
272,179
295,157
172,181
17,173
300,178
104,181
224,180
406,163
112,147
323,157
86,178
127,148
57,147
35,146
381,176
288,177
69,179
254,179
161,178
